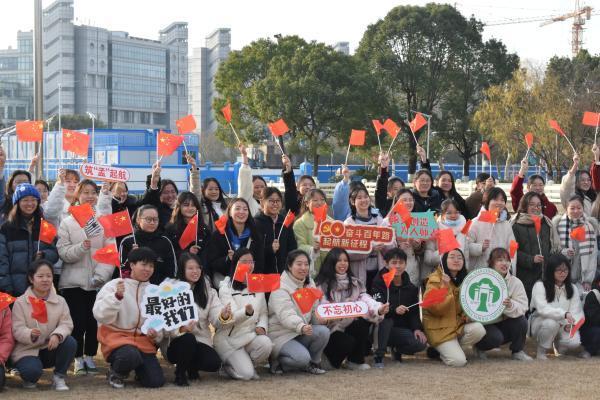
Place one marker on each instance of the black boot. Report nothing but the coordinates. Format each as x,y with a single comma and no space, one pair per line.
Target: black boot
193,375
180,377
433,354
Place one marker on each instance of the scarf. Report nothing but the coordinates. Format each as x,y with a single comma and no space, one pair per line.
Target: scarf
456,226
525,219
566,226
237,241
343,289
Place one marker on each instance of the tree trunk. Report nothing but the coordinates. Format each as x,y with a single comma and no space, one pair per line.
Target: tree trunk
315,158
466,167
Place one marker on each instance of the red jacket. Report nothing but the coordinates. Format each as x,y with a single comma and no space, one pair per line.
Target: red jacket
516,193
595,173
7,342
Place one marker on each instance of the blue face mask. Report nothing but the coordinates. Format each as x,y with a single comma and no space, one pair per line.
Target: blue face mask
503,216
450,223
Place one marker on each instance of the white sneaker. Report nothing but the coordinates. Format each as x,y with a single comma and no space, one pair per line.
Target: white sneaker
90,365
521,356
585,354
58,383
79,366
541,354
315,369
114,380
357,367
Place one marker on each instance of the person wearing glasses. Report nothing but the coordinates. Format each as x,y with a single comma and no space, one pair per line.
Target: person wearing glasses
147,234
578,182
535,183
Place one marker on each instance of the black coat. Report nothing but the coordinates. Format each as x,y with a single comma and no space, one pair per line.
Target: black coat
217,248
591,311
406,294
422,204
292,199
275,263
382,202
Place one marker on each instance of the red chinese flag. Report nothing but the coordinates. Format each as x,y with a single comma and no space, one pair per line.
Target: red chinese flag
30,131
417,123
513,247
82,213
75,142
446,241
221,224
357,137
554,125
117,224
289,219
241,271
320,213
485,149
47,232
186,124
189,233
227,112
490,217
434,296
306,297
401,210
263,283
168,143
38,310
576,327
278,128
388,277
6,300
391,128
591,119
537,223
529,139
378,126
578,233
465,230
108,255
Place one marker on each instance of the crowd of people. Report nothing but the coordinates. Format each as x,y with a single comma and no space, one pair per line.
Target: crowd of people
552,279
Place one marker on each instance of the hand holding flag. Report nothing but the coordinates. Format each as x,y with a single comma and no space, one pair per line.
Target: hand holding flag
287,222
38,310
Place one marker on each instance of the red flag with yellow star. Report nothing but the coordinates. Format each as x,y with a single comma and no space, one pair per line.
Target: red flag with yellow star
38,310
47,232
30,131
117,224
6,300
186,124
263,283
108,255
189,233
168,143
82,213
75,142
306,297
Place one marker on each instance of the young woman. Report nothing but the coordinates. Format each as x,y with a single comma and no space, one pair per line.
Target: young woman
304,228
147,234
425,197
446,326
590,331
239,232
450,218
386,188
191,347
16,178
40,345
250,188
122,200
582,255
245,343
349,337
298,338
7,341
578,182
486,236
446,187
278,239
295,192
401,328
186,208
82,276
19,240
555,307
62,197
533,248
535,183
214,203
365,266
117,310
43,189
513,326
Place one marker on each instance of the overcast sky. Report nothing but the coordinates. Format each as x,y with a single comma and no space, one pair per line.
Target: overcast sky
328,21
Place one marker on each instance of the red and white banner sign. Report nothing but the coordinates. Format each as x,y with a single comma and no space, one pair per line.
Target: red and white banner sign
353,238
104,172
342,310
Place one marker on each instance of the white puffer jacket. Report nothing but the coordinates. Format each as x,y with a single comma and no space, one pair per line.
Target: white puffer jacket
557,309
246,188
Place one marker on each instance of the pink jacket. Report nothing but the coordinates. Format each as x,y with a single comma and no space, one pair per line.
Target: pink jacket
7,342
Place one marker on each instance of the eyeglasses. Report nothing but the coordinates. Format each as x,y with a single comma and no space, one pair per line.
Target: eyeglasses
273,201
535,205
150,220
561,270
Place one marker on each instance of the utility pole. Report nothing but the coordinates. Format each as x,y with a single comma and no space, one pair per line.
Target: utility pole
38,81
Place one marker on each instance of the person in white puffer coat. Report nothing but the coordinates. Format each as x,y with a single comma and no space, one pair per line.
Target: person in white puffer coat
244,343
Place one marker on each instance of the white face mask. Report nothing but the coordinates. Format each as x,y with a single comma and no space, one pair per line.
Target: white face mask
503,216
451,224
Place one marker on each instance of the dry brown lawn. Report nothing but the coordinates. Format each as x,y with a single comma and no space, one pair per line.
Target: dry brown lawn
415,378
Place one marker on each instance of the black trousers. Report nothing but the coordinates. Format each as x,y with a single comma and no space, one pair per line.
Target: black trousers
510,330
189,355
2,377
129,358
85,327
352,343
590,339
401,339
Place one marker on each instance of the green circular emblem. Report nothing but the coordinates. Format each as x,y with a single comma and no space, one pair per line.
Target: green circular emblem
481,295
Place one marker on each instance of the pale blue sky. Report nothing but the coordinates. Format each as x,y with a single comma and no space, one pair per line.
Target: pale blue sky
329,21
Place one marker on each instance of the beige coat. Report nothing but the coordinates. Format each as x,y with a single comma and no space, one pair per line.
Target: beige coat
518,297
59,323
500,234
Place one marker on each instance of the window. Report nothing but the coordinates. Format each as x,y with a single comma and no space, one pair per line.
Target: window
92,63
91,46
102,47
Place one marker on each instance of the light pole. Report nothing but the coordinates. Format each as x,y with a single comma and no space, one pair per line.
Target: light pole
59,107
44,158
93,118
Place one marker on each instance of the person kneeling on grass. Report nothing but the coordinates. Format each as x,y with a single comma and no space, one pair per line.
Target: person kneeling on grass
590,331
513,326
42,326
446,325
7,341
117,310
401,329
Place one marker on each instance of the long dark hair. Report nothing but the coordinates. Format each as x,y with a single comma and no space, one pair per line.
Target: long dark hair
308,197
15,215
9,191
555,261
177,218
326,276
249,222
352,199
221,198
460,276
590,193
200,289
239,253
452,193
291,257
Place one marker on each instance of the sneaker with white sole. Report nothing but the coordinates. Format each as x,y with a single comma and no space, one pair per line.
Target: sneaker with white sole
585,355
521,356
315,369
79,366
480,354
115,380
378,362
90,365
541,353
357,367
29,385
58,383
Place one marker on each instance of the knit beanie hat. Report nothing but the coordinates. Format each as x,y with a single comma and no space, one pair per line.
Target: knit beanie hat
24,190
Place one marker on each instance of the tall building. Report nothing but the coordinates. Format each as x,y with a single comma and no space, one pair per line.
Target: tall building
127,82
16,80
204,64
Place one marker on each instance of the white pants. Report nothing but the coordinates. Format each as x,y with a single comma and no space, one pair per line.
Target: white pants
451,352
240,364
547,332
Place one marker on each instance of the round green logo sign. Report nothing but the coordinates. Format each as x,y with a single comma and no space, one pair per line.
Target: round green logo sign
481,295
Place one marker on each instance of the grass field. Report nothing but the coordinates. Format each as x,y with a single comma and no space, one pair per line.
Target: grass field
566,377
